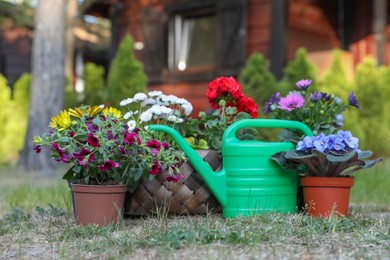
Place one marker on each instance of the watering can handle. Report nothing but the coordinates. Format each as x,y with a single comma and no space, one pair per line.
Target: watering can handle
266,123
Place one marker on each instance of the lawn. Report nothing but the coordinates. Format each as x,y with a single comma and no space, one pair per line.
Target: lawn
36,222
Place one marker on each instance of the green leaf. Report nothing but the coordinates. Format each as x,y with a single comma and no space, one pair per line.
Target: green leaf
342,158
69,175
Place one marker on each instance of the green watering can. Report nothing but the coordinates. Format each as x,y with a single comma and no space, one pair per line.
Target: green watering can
249,182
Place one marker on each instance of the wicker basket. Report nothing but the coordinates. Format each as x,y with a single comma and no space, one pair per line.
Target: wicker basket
189,196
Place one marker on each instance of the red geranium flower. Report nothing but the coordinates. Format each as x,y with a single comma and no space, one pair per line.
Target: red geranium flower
223,88
248,105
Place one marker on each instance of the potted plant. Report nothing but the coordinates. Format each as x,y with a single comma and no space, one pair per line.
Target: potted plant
106,152
189,194
320,111
325,164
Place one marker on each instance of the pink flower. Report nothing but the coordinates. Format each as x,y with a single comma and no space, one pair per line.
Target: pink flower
108,165
291,101
93,140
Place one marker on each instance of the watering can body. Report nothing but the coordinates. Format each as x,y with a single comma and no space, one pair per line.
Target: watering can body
249,182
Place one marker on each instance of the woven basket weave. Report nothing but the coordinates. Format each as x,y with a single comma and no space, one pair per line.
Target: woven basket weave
188,196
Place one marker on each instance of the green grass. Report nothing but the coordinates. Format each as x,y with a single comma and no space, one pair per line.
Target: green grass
371,191
36,222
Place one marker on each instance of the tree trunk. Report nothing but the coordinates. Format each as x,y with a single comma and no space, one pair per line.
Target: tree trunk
69,38
47,85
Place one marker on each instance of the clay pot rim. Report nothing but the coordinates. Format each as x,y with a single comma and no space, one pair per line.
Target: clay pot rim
98,188
313,181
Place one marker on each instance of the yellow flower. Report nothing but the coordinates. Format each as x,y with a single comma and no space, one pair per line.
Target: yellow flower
62,119
76,112
110,111
94,110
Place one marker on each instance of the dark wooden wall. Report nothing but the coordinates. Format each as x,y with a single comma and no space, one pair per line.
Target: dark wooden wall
15,52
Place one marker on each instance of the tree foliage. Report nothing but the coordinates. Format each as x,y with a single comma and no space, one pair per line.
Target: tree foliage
126,75
256,79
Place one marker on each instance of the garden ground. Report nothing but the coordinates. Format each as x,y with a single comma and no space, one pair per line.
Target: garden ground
36,222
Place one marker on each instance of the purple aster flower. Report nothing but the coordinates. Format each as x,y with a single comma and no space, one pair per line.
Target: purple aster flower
303,84
93,140
353,100
315,96
291,101
275,98
339,120
108,165
325,96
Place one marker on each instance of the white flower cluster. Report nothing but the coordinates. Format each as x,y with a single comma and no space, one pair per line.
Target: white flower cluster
156,106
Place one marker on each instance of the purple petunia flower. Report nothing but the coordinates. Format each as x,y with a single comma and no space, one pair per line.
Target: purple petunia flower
155,145
132,138
93,140
275,98
82,154
108,165
37,148
291,101
353,100
61,152
172,178
156,168
303,84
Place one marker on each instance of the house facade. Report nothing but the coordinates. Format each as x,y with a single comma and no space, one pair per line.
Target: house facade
184,43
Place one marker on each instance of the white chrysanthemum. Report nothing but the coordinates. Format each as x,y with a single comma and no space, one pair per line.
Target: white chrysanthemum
157,109
131,124
165,110
146,116
187,107
140,97
147,102
126,101
128,115
155,93
172,118
179,120
181,101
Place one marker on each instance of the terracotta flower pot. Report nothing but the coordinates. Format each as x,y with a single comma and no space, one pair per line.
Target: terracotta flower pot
98,204
326,195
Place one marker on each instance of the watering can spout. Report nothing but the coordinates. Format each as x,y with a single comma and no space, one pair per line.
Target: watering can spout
216,181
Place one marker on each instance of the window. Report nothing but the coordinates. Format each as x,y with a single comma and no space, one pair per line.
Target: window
192,41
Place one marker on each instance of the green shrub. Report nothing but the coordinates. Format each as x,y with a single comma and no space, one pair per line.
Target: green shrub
256,79
126,75
72,98
372,92
94,84
20,104
6,108
299,68
335,82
